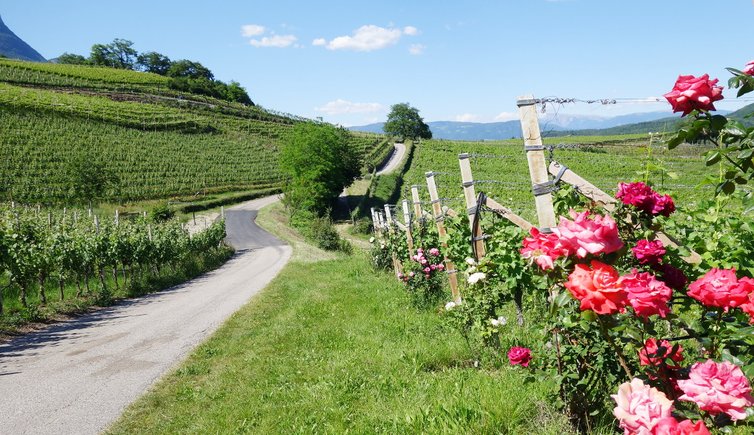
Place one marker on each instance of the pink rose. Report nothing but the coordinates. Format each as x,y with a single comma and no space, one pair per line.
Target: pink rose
434,252
646,294
671,426
648,252
645,199
663,204
544,248
440,266
718,388
720,288
640,407
748,307
749,68
656,354
519,356
588,236
694,93
598,289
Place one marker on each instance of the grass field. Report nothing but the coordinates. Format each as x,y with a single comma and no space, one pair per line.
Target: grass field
333,347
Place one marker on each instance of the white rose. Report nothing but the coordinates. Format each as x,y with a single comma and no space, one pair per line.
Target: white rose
371,240
450,305
500,321
476,277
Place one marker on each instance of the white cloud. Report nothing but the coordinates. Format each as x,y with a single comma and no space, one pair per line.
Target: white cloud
366,38
410,31
319,41
340,106
467,117
416,49
506,116
249,30
277,41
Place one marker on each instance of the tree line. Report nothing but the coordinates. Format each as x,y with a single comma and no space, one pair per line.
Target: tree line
185,75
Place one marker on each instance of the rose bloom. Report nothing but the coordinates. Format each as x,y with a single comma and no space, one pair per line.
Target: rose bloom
648,252
434,252
720,288
636,194
718,388
588,236
545,248
646,294
749,68
694,93
597,288
656,353
640,407
663,204
748,307
476,277
671,426
519,356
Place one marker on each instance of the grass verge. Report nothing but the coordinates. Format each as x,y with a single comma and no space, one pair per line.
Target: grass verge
333,347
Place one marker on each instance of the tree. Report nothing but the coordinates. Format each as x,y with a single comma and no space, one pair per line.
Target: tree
117,54
404,122
189,69
90,180
72,59
154,62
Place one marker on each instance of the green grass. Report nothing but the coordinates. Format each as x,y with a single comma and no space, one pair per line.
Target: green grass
333,347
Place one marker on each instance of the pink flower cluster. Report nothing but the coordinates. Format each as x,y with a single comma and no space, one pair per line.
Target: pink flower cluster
694,93
429,264
581,236
645,199
721,288
646,294
718,388
644,410
749,68
519,356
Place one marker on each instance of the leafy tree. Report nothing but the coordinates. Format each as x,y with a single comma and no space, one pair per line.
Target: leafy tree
90,180
189,69
118,54
404,122
319,164
72,59
154,62
235,92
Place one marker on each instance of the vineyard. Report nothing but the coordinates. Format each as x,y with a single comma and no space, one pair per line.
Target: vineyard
145,143
502,171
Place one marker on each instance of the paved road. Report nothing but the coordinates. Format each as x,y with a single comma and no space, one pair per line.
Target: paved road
395,159
77,377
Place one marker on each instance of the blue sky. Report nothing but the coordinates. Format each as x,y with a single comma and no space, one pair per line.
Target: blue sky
348,61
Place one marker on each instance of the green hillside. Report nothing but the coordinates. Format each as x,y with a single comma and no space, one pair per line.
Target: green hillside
604,161
57,121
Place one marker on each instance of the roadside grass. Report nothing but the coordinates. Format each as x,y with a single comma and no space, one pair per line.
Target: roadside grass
333,347
274,219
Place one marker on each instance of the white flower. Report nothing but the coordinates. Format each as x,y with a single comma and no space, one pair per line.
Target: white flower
470,262
382,245
500,321
371,240
450,305
476,277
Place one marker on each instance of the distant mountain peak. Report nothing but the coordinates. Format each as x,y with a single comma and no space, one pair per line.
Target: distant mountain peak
13,47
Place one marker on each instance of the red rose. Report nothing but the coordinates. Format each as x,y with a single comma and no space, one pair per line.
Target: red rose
749,68
656,353
694,93
663,204
648,252
645,199
646,294
544,248
671,426
519,356
720,288
598,289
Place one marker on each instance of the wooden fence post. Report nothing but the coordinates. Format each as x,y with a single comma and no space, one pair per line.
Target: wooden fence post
417,202
374,220
535,156
469,193
407,221
450,268
397,266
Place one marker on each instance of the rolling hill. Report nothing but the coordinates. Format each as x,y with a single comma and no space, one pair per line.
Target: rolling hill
61,124
13,47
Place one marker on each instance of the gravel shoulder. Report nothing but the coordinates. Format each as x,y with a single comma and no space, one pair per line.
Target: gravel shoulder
77,376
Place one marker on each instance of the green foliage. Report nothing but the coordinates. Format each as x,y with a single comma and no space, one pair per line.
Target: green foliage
153,62
72,59
319,164
161,213
118,54
404,122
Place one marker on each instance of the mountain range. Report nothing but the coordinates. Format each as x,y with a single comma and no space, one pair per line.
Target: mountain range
13,47
559,125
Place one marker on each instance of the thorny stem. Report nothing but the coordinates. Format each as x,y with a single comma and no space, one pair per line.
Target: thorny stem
617,350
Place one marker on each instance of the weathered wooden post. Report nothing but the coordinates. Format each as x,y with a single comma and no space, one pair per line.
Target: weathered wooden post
407,221
417,202
397,266
469,193
535,156
450,268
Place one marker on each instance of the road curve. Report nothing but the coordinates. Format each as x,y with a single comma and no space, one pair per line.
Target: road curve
399,150
76,377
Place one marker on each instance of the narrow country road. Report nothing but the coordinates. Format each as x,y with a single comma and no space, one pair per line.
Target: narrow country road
76,377
396,158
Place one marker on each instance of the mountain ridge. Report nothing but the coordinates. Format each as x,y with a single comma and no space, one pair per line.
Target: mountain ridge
13,47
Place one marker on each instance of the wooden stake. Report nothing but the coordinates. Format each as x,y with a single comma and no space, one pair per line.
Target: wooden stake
535,155
397,266
508,214
117,217
407,220
450,268
469,194
418,213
